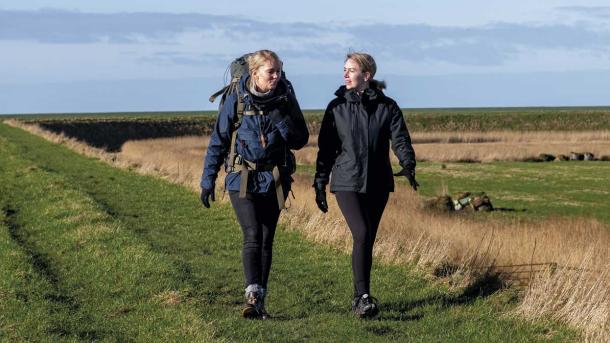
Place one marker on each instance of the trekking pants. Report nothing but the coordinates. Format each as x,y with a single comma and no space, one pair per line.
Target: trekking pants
362,212
257,214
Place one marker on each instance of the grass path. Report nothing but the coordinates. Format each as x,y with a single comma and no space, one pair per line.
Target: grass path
105,254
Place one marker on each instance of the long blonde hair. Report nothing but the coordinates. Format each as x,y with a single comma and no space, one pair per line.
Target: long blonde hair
258,58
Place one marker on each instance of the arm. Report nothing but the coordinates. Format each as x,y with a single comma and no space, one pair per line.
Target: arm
401,141
292,125
220,142
329,147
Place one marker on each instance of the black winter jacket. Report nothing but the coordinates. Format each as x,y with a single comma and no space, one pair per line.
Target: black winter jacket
354,142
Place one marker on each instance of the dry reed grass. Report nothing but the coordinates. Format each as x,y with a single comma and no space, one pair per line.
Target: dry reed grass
491,146
571,285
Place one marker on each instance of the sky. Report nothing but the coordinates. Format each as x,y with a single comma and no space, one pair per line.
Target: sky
113,56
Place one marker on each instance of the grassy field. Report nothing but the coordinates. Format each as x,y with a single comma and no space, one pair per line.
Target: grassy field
97,253
541,190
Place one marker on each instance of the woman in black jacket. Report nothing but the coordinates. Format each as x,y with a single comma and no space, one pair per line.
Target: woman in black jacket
354,144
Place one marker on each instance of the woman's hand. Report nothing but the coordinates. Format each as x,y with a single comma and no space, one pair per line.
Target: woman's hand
206,196
409,173
321,198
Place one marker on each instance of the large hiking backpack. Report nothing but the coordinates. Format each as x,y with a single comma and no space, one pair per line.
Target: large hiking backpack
238,68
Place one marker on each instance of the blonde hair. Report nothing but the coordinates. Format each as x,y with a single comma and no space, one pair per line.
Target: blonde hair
258,58
365,61
367,64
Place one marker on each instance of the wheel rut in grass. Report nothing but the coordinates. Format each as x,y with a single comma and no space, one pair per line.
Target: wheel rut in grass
41,264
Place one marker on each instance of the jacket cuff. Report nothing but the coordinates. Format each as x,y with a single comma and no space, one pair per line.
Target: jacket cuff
409,165
281,125
319,184
206,183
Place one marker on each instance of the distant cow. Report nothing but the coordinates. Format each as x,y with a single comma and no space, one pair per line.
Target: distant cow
589,156
576,156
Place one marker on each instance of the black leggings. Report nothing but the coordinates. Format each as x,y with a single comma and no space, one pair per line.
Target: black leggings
362,211
257,214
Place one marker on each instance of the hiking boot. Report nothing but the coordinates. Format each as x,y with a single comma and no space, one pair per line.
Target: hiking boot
254,299
365,306
251,307
263,313
261,308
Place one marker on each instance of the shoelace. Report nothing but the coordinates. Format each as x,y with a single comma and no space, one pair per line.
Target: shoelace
369,300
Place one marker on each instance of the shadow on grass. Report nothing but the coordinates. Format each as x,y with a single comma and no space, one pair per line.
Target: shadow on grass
506,209
401,310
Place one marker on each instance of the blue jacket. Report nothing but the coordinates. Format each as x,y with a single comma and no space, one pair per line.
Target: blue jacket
263,139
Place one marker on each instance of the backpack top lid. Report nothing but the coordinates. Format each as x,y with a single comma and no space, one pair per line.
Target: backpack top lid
238,68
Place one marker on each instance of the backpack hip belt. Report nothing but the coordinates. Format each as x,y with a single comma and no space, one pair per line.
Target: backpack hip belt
244,169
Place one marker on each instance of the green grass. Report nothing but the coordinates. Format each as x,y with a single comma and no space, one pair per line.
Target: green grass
97,251
534,190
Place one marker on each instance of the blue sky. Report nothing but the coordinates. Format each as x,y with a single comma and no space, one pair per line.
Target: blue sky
75,56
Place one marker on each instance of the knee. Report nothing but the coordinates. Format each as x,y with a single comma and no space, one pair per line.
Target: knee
361,242
267,246
251,238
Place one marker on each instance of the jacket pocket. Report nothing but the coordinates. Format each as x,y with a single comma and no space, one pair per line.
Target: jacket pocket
249,145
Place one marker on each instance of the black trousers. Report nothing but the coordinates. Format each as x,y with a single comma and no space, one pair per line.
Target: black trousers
362,212
257,214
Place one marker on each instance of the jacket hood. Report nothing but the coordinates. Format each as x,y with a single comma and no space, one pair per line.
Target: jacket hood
374,92
280,93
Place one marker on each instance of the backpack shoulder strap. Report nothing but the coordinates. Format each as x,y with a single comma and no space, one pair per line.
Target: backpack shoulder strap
215,95
239,113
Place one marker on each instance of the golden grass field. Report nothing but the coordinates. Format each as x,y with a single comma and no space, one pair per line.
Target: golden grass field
492,146
562,264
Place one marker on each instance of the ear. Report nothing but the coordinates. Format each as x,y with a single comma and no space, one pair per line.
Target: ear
367,76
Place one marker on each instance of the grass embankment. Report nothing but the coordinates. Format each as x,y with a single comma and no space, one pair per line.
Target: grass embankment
495,119
110,255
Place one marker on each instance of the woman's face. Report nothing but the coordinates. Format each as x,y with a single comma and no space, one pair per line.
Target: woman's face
354,77
267,76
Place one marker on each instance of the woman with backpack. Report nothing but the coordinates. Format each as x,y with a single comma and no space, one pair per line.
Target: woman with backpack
259,122
354,144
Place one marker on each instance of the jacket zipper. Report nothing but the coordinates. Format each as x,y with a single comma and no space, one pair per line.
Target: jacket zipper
355,120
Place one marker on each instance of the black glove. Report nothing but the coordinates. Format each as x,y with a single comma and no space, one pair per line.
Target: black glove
276,116
206,195
409,173
321,198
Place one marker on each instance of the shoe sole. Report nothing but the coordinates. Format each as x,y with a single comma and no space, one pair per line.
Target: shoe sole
371,312
250,313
